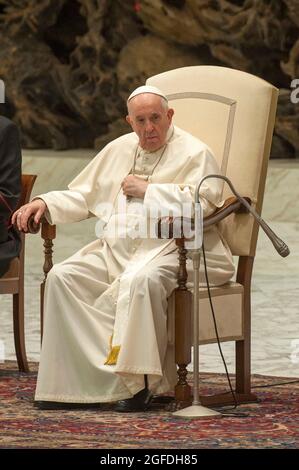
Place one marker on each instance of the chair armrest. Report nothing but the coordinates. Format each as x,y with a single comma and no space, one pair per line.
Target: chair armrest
32,226
232,204
48,230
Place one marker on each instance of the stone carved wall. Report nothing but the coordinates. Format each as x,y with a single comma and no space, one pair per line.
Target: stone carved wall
68,65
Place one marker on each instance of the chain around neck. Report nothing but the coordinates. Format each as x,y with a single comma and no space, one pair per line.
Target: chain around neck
156,164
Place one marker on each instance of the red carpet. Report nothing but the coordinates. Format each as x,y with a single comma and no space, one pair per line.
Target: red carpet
273,422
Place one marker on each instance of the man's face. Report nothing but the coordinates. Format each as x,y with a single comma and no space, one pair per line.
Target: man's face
150,120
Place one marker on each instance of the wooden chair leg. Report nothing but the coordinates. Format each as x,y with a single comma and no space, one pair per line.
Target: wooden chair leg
19,331
182,346
243,348
48,235
183,301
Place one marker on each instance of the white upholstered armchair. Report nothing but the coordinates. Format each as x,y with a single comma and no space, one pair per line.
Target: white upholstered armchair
234,113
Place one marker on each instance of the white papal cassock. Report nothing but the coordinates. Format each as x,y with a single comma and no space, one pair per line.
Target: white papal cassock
105,319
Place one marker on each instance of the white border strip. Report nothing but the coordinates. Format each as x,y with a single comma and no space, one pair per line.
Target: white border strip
2,91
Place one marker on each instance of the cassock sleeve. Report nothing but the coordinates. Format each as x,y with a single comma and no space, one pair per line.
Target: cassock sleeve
96,186
171,198
64,206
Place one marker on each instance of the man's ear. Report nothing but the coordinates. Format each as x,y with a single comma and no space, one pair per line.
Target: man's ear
129,121
170,114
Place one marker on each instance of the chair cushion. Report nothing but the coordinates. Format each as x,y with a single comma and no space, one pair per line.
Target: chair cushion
228,307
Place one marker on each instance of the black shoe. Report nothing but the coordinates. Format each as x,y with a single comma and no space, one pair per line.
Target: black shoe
139,402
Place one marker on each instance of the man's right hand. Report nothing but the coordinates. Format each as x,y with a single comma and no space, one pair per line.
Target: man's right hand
21,216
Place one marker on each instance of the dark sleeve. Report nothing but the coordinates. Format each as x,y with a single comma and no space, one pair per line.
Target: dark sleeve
10,167
10,189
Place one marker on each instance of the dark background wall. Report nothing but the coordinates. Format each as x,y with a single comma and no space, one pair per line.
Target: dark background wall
68,65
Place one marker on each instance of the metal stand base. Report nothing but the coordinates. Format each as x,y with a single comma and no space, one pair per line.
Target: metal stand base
197,411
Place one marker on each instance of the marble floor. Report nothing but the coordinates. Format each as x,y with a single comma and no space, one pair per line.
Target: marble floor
275,293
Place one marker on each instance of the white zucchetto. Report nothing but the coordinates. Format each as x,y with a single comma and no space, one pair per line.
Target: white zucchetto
146,89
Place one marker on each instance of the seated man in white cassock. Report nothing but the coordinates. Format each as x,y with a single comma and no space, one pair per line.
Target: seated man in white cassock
105,324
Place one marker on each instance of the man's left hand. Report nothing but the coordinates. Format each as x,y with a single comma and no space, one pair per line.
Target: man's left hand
134,186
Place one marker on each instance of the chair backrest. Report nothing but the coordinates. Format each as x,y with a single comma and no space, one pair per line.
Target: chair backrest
234,113
27,185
